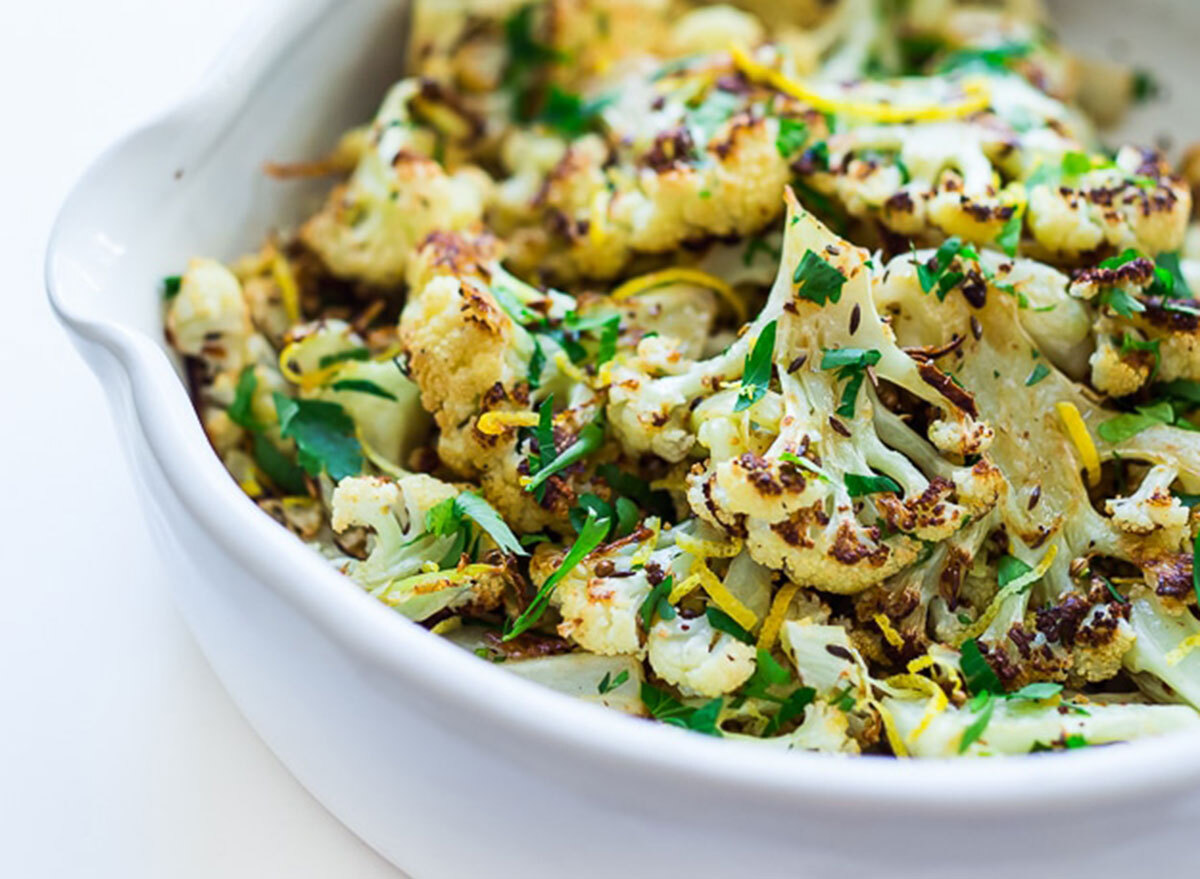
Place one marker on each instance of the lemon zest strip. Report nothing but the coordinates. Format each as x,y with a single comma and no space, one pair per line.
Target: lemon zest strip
1079,434
885,625
683,587
711,549
1186,646
937,700
774,621
450,624
723,598
653,280
980,625
976,97
495,423
285,280
643,552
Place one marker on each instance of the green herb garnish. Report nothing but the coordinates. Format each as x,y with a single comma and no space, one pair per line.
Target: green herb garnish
324,436
723,622
860,485
1039,372
656,602
609,683
362,386
817,280
590,536
851,364
756,374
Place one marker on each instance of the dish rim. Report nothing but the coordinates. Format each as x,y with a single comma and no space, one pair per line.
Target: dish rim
544,721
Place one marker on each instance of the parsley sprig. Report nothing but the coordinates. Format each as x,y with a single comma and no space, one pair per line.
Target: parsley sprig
756,374
851,364
590,536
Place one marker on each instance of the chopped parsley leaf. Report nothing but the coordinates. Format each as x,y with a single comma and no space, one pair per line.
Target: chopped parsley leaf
977,671
666,708
171,285
360,353
590,536
859,485
608,683
972,733
756,374
818,281
324,436
283,472
1130,424
1039,372
792,135
656,602
790,709
239,410
851,364
362,386
723,622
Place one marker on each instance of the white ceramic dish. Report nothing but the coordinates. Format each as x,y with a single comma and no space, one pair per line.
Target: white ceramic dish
451,767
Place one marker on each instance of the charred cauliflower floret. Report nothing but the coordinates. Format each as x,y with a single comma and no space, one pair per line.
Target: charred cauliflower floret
396,196
797,472
401,568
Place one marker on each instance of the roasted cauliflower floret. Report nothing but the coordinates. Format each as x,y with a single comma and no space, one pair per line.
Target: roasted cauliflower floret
698,659
1153,508
208,317
396,196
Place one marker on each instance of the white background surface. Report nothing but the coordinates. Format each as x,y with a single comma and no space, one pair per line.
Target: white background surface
120,755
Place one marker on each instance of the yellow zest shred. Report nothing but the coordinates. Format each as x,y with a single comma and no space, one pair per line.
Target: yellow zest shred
643,552
1186,646
710,549
1082,438
937,699
653,280
682,588
251,487
598,210
980,625
889,727
495,423
285,280
306,380
569,369
976,97
450,624
774,621
377,458
885,626
722,597
921,663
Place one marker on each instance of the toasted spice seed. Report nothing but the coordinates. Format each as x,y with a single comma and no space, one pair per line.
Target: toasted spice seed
976,328
840,652
855,317
604,568
1035,496
839,427
799,361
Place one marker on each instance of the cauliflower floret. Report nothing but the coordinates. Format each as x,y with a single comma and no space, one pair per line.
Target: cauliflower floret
693,656
1153,508
396,196
1114,374
395,511
208,317
811,520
